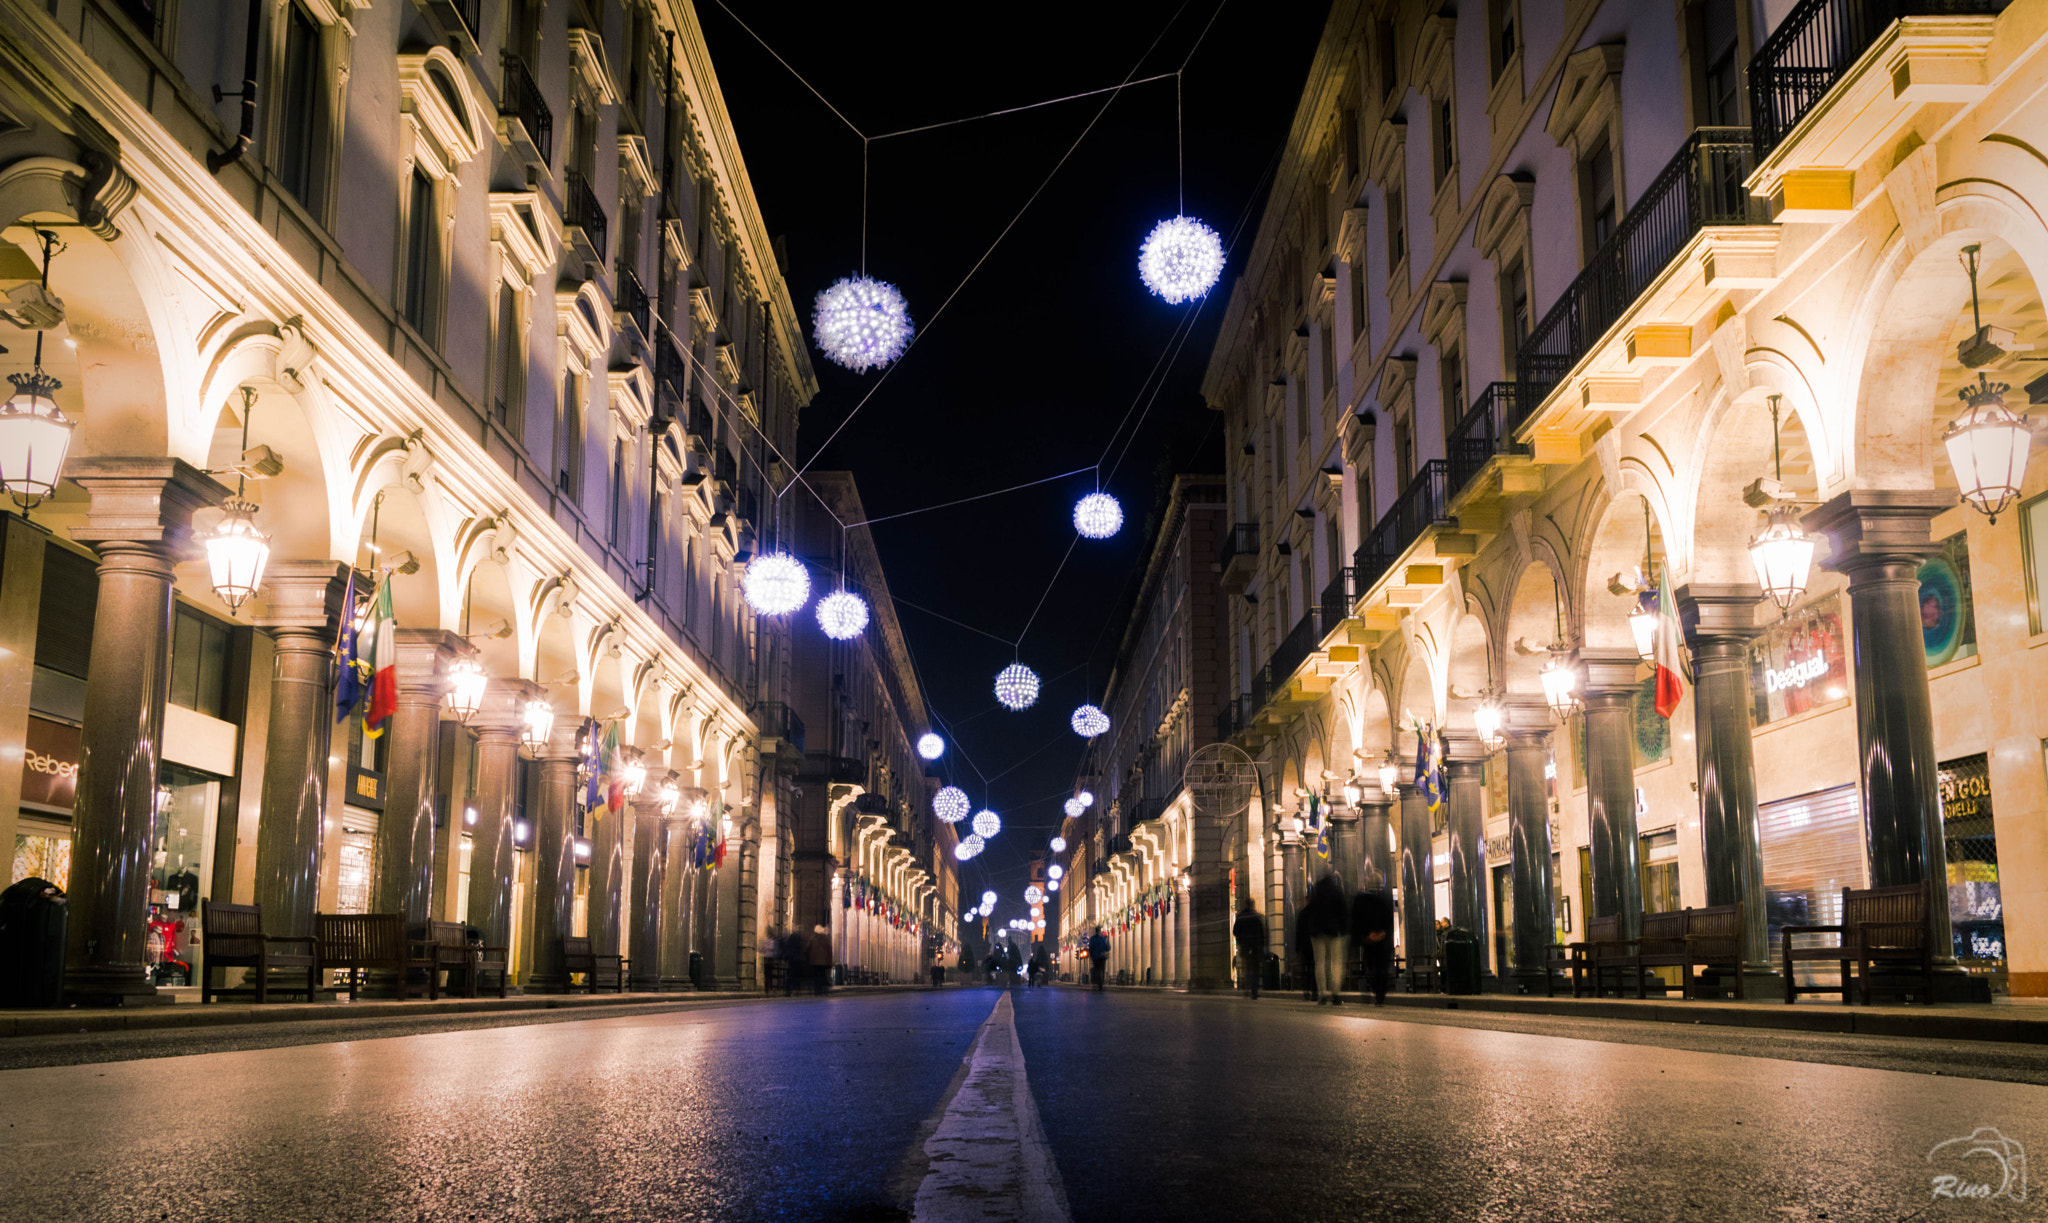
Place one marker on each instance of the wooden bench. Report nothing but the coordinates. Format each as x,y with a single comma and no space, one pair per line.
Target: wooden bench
362,943
598,970
1713,939
232,937
1881,928
1580,960
452,951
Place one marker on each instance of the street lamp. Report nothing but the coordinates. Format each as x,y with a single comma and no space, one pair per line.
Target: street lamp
1560,680
1488,718
1987,447
34,435
1782,552
1352,791
1642,624
236,551
1390,772
536,722
466,683
635,776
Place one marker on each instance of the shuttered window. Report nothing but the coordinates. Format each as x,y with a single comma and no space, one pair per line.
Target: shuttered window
71,591
1813,848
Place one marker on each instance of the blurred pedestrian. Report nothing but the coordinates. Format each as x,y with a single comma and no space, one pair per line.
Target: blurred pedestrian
1328,919
1372,926
1038,966
1098,957
1249,933
819,959
795,952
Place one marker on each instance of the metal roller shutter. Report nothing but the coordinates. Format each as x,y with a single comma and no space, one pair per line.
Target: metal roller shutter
1813,848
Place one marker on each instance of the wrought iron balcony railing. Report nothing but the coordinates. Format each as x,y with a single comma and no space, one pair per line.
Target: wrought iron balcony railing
1422,503
1338,597
631,300
1243,540
1815,45
522,100
778,719
1701,186
1482,434
581,210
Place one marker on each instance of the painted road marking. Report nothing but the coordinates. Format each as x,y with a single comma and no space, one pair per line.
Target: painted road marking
989,1159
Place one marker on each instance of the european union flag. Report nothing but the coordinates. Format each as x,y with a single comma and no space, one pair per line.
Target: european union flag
1429,766
348,686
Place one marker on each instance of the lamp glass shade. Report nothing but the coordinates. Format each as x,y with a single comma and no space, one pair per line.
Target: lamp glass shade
1987,447
670,795
1390,773
1783,555
536,723
236,553
466,683
1352,792
1560,685
634,776
1642,625
34,438
1487,719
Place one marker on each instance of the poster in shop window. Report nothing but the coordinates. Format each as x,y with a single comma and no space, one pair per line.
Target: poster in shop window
1974,906
1799,664
1948,616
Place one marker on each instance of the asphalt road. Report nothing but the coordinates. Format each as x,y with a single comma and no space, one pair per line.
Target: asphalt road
1129,1106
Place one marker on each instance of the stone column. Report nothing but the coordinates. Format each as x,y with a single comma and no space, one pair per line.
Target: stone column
139,521
650,878
305,615
1465,769
676,899
554,856
1375,829
1294,884
606,831
1418,886
1880,538
1609,706
1529,842
404,878
1719,623
492,855
1347,846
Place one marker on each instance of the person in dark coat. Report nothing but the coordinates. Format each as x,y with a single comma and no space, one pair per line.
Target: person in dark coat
795,952
1098,957
1249,933
820,959
1372,928
1327,917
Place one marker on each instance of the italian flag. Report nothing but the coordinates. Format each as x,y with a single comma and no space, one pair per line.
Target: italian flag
377,648
1670,690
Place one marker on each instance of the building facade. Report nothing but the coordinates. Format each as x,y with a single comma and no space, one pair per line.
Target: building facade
1141,859
871,863
473,301
1549,297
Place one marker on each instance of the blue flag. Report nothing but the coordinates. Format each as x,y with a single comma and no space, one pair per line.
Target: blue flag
1429,766
348,686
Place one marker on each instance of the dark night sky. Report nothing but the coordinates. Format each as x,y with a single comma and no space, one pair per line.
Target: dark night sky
1028,371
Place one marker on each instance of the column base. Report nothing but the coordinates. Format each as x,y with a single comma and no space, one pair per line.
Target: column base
676,985
111,987
546,985
1950,986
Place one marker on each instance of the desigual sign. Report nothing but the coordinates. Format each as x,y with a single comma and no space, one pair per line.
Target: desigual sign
1798,675
49,765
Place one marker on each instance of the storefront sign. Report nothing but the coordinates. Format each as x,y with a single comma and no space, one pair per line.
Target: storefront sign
1799,664
1970,842
49,766
1497,848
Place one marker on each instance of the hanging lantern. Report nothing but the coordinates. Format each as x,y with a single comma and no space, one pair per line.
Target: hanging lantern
843,615
1181,259
536,723
236,553
776,584
987,824
988,900
1560,680
34,435
1783,555
1034,895
1055,872
1352,791
634,775
1490,718
466,683
1098,516
1059,844
671,794
950,804
930,746
861,322
1054,886
1642,624
1088,721
1017,686
1987,447
1390,773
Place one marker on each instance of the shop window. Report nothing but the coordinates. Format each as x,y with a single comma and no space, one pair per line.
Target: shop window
1812,849
1586,881
352,875
1503,918
1948,616
70,600
180,872
1660,873
1976,910
1799,664
462,876
199,663
42,850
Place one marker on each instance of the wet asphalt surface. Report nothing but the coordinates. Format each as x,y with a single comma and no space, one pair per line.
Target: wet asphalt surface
1155,1106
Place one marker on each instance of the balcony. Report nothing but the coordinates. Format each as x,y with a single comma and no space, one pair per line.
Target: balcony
1240,556
845,770
631,303
700,422
671,370
1483,436
778,721
524,122
1423,504
459,22
1702,186
1838,81
583,217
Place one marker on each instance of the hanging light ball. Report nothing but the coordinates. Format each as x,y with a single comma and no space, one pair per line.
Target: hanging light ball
843,615
236,553
1181,259
1017,686
988,900
950,804
1783,555
1087,798
968,848
1074,809
1088,721
776,584
987,824
862,323
1059,844
1987,446
930,746
34,437
1055,872
1034,895
1560,683
466,683
1054,886
1098,516
536,723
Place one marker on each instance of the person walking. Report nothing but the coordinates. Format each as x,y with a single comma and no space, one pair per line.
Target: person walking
1038,966
1249,933
819,957
1372,925
795,952
1098,957
1327,917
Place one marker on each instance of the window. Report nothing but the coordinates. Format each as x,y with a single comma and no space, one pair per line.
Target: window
618,492
522,29
1451,377
1397,225
569,438
1717,63
1500,29
1404,449
1514,293
1596,195
422,254
2034,554
1660,872
301,142
1358,316
1300,415
199,663
1445,142
1348,120
1948,615
508,393
1383,41
690,586
1329,360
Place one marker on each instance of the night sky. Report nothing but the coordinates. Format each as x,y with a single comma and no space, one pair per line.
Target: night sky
1028,371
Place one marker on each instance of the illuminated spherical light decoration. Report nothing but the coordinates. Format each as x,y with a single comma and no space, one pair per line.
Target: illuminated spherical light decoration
930,746
861,323
843,615
1181,259
1074,809
1087,798
1088,722
1059,844
776,584
1098,516
968,848
1017,686
988,900
987,823
1034,895
950,804
1055,871
1054,886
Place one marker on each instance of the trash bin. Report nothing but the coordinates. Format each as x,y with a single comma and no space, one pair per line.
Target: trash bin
1461,961
697,969
34,919
1269,977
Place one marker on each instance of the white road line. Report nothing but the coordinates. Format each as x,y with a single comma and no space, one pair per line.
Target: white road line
989,1158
